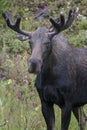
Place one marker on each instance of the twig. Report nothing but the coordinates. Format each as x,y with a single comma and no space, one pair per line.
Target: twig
26,121
43,11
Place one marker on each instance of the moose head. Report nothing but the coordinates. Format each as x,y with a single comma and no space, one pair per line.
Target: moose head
41,39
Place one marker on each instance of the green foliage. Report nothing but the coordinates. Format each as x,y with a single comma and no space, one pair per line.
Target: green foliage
82,24
20,107
79,40
4,5
78,35
10,44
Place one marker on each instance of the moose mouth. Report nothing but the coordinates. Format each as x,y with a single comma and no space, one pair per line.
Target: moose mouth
34,66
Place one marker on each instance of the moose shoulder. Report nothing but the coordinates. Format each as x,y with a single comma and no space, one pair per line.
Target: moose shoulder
64,71
61,70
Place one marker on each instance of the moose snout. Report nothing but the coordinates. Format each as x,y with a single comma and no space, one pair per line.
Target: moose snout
34,66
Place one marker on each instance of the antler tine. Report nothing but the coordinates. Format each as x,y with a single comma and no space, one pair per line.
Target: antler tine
8,17
54,23
72,15
60,24
14,26
62,18
70,18
17,24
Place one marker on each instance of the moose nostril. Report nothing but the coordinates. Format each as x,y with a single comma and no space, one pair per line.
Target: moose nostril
32,65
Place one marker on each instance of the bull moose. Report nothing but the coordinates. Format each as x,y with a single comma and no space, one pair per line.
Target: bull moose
60,67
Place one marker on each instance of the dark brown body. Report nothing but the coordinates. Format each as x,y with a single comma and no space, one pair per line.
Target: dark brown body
62,80
61,70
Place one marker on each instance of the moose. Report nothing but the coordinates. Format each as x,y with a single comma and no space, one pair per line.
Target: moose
60,67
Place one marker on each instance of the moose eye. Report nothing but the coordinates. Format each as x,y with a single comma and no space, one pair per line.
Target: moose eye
30,42
47,43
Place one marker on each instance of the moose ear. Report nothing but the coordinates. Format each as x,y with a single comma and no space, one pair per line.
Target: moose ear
22,37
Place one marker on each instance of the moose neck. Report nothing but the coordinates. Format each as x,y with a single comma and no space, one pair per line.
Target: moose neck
59,52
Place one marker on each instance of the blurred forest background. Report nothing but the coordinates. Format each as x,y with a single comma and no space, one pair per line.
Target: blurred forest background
19,101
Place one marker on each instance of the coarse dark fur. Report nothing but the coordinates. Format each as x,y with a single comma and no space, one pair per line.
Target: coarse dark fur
62,80
61,71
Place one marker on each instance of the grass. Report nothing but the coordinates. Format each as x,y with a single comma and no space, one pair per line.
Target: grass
20,107
23,112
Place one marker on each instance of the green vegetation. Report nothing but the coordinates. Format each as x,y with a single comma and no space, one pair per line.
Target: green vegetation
19,101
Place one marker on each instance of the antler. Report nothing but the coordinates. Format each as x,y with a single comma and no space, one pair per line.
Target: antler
14,25
60,23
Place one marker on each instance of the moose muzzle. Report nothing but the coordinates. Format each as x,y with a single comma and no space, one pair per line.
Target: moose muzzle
34,66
